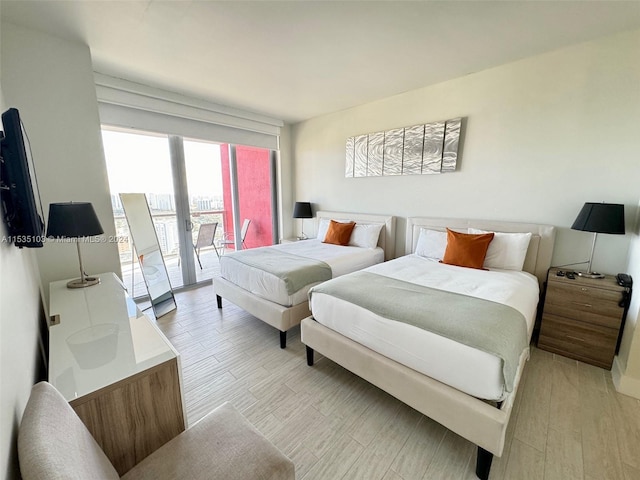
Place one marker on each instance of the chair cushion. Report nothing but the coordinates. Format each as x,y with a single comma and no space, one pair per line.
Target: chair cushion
223,445
53,443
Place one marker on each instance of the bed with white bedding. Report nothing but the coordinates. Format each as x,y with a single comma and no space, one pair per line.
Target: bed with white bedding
264,284
464,367
445,377
260,280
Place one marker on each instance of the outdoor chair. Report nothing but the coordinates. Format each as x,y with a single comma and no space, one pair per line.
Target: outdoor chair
206,238
228,239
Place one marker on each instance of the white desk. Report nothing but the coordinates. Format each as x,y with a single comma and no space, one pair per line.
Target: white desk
116,368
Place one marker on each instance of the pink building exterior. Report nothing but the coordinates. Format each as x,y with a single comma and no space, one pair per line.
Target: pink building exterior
254,186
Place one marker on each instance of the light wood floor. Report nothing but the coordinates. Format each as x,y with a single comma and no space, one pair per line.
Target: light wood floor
568,422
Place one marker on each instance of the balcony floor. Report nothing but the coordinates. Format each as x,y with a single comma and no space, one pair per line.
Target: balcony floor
133,281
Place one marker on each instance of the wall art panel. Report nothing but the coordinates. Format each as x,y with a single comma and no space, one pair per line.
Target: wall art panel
426,149
360,157
393,147
432,148
451,143
375,154
350,156
412,155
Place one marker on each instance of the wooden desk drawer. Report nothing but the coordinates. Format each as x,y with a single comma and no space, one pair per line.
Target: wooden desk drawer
591,343
585,299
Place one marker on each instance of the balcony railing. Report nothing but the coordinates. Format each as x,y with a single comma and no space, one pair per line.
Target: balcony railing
166,226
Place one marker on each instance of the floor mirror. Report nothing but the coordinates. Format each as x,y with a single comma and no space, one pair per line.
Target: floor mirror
145,242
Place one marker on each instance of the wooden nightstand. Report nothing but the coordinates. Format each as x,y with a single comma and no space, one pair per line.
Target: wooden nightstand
582,317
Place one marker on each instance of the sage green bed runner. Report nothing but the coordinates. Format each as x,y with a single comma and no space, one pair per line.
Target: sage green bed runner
296,271
488,326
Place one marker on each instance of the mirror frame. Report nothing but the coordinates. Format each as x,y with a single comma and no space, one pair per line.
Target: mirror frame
162,302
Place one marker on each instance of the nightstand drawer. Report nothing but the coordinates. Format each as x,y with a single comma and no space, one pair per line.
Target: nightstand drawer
585,314
592,343
585,299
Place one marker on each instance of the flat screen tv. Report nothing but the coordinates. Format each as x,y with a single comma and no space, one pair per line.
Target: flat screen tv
19,208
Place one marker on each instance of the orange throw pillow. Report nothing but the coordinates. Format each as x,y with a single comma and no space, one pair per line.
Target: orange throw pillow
339,233
466,250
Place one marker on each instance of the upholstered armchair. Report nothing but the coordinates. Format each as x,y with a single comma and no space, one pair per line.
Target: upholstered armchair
53,443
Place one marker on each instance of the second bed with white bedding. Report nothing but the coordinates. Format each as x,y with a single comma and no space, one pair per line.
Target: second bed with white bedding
341,260
463,367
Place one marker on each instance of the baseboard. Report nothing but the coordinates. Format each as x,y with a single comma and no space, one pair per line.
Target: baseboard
623,383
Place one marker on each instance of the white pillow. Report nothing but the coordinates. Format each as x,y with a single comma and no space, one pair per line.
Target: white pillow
507,251
323,227
431,244
365,235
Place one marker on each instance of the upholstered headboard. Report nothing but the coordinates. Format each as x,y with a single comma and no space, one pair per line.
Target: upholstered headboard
387,239
538,259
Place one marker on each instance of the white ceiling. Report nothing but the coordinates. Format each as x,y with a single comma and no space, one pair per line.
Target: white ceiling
295,60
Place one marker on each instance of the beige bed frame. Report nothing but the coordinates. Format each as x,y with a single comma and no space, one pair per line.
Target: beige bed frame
281,317
472,418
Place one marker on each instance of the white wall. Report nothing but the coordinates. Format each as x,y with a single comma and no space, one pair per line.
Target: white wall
541,137
51,82
21,318
20,322
286,172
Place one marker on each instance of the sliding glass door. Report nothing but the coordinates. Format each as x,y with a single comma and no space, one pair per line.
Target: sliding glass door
140,163
206,204
200,195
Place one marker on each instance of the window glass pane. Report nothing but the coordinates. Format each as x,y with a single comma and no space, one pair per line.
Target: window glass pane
206,203
140,163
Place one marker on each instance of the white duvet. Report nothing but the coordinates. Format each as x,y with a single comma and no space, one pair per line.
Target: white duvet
341,259
472,371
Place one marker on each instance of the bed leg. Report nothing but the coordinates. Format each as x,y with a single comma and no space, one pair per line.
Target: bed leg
483,463
283,339
219,300
309,356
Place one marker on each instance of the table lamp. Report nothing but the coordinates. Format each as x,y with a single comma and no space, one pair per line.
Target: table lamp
599,218
302,210
74,220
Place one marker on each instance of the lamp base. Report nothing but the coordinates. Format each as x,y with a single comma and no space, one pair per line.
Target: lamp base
590,274
80,283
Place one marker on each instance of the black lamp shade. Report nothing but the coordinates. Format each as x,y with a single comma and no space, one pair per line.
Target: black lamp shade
73,220
302,210
601,218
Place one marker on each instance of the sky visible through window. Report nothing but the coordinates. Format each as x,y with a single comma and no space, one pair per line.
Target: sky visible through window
139,163
204,175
